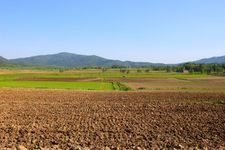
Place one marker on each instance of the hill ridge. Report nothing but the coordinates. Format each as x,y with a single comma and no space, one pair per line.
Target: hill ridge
2,59
211,60
65,59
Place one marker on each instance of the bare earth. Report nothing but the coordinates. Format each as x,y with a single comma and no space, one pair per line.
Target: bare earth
213,84
115,120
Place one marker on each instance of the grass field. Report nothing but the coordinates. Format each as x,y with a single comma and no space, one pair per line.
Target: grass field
112,79
93,73
58,85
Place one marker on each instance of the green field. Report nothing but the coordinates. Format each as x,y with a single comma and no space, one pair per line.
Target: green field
95,73
58,85
112,79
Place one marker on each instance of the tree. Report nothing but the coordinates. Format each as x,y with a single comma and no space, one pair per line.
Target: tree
61,70
122,70
168,69
147,70
202,68
139,70
104,69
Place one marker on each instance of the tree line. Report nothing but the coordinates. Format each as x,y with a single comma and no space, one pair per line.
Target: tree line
198,68
216,69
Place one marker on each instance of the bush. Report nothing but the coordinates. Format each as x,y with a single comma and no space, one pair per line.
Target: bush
147,70
139,70
61,70
122,70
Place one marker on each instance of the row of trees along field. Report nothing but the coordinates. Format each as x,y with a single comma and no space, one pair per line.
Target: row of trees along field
217,69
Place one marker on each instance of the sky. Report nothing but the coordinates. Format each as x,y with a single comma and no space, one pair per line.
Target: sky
160,31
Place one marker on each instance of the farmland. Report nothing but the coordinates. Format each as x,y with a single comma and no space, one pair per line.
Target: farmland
112,75
68,119
95,79
91,109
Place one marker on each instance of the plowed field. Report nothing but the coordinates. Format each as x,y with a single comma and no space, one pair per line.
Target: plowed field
114,120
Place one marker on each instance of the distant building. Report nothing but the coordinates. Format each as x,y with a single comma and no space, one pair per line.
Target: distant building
185,71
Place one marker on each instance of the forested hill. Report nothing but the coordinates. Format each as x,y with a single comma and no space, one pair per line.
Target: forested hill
74,60
212,60
2,59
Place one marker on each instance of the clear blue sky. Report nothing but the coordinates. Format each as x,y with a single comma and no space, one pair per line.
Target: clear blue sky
167,31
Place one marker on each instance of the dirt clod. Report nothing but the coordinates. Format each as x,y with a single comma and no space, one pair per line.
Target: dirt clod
20,147
61,119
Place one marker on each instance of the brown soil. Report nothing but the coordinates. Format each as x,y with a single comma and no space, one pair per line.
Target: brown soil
172,84
70,119
143,80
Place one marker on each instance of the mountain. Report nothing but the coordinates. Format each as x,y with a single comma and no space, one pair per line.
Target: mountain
74,60
212,60
2,59
4,63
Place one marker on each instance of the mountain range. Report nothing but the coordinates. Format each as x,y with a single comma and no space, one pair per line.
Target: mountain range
212,60
74,60
2,59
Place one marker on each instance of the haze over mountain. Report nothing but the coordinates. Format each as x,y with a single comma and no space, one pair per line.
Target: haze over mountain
2,59
74,60
212,60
